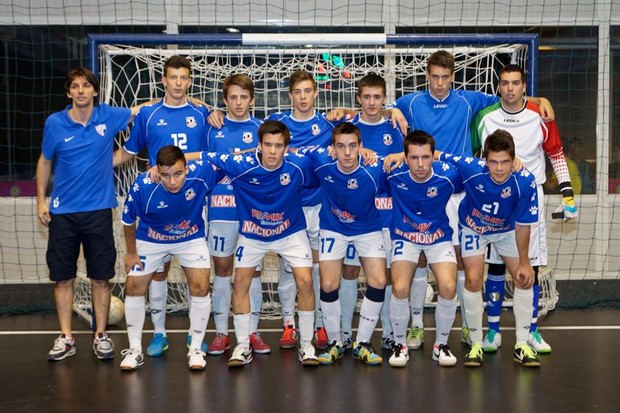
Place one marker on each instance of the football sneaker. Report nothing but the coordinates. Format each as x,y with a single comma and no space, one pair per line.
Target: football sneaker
241,356
157,346
258,345
63,347
526,355
220,344
333,352
307,355
320,338
364,352
415,338
538,343
492,341
196,359
444,356
289,337
475,356
132,359
103,347
400,356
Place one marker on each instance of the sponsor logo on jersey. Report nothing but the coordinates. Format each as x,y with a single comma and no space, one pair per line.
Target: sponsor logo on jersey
440,106
69,139
267,216
387,139
101,129
179,228
220,135
352,183
285,178
329,178
343,216
431,192
247,137
383,203
222,201
254,181
402,186
162,205
252,228
190,194
508,120
480,188
488,219
162,122
421,237
190,122
506,192
421,227
316,129
483,229
151,233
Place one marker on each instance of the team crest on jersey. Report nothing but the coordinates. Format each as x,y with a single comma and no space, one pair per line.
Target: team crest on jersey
285,179
431,192
387,139
101,129
190,194
352,184
316,129
190,121
506,192
247,137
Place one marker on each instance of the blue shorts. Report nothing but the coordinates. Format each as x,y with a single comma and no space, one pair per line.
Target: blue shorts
92,230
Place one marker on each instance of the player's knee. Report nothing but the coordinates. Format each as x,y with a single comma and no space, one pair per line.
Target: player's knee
447,291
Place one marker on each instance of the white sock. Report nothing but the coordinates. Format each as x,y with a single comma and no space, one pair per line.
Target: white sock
417,294
287,291
399,316
444,319
348,301
331,319
473,314
460,288
199,313
386,324
369,315
222,296
158,296
522,309
134,317
316,285
242,328
306,324
256,300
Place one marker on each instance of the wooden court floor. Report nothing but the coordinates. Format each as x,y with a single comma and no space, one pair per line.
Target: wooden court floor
579,376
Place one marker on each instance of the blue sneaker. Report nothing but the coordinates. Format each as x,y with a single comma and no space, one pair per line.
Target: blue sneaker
364,352
204,346
157,346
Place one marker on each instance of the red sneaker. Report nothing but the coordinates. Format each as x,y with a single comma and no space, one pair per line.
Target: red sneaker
258,345
289,337
220,344
320,338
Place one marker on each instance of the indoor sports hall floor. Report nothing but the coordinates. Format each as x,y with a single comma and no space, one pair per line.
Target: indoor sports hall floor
579,376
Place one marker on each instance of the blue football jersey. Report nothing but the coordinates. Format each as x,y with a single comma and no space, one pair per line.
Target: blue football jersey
490,207
158,125
165,217
268,201
310,132
448,120
234,136
383,138
348,198
420,207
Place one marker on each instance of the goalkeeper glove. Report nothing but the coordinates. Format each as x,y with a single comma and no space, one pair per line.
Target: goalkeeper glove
568,207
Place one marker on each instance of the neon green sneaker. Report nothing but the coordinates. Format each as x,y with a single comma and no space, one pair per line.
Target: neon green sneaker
526,355
475,356
415,337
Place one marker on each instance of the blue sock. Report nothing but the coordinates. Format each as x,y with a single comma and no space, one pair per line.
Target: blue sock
536,292
494,293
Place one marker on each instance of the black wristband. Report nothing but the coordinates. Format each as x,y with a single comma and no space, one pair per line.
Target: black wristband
566,189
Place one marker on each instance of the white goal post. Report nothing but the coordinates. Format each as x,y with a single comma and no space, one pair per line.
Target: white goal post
130,70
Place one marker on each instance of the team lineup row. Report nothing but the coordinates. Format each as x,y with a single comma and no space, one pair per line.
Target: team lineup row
268,201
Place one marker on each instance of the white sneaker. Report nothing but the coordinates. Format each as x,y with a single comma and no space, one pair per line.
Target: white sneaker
242,355
132,359
196,359
443,355
538,343
307,355
415,338
492,341
400,356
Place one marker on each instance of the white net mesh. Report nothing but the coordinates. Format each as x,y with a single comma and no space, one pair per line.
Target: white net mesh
131,75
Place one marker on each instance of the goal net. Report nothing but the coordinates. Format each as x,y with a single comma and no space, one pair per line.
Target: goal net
130,70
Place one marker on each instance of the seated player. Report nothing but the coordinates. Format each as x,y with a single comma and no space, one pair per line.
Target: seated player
171,222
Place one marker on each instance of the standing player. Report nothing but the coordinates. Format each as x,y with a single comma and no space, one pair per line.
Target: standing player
348,215
533,139
382,137
498,208
172,121
239,132
267,189
79,142
307,127
171,222
446,114
420,192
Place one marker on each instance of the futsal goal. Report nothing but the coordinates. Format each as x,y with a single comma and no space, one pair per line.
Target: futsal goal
130,71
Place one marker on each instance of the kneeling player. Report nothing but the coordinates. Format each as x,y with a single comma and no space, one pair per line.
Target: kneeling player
170,223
